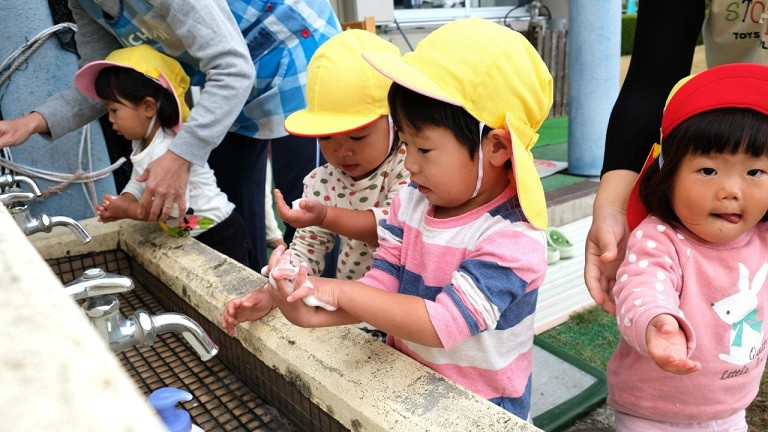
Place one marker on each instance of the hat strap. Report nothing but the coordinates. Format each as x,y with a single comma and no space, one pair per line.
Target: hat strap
152,121
480,162
661,159
391,126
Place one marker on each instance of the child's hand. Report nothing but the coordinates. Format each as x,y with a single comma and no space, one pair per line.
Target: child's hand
667,346
284,276
103,210
306,213
250,307
274,259
309,295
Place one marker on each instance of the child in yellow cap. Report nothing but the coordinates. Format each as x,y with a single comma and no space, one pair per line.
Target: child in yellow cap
143,91
348,114
460,258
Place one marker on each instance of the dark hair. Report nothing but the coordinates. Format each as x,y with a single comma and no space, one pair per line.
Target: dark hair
417,111
114,83
721,131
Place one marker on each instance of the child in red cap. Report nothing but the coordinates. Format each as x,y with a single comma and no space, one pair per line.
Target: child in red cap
689,294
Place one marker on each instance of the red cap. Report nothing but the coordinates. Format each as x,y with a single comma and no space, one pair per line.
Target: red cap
735,85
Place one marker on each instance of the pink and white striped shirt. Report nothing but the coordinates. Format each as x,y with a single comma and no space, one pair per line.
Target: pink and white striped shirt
479,274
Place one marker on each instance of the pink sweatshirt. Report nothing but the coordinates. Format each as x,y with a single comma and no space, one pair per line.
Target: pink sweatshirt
715,291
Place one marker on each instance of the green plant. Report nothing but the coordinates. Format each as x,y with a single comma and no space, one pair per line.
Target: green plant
590,335
628,24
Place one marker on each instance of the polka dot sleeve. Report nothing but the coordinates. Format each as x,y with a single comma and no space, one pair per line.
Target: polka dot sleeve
649,281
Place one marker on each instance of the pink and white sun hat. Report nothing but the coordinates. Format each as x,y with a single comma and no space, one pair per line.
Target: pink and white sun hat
159,67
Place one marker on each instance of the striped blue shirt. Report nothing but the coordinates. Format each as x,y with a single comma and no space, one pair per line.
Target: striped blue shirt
281,36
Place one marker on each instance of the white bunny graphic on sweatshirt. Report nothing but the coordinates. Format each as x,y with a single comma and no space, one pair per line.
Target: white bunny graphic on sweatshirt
740,311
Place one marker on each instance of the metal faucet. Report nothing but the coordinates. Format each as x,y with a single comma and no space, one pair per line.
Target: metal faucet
44,223
14,199
103,309
8,180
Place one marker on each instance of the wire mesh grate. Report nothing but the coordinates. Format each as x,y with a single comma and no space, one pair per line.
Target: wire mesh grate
222,402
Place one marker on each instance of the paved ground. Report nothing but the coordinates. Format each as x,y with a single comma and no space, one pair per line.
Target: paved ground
599,420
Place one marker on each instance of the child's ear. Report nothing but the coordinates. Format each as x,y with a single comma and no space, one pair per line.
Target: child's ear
499,146
149,106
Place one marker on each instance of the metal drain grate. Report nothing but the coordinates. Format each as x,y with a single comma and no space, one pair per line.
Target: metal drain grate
221,402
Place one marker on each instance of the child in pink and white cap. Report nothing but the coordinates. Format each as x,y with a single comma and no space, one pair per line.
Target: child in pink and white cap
143,91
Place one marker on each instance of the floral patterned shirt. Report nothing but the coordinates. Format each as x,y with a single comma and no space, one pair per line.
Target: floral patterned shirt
207,204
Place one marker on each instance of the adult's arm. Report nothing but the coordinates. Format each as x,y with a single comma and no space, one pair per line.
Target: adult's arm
211,35
664,44
69,109
665,40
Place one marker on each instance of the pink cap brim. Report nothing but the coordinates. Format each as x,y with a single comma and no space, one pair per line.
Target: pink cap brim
85,82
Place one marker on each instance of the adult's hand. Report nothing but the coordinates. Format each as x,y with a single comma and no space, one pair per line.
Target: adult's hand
16,131
166,183
607,238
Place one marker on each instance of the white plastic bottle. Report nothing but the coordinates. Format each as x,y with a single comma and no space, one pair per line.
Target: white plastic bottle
164,401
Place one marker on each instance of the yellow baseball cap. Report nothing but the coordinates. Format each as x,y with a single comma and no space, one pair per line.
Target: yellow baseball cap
343,92
163,69
495,74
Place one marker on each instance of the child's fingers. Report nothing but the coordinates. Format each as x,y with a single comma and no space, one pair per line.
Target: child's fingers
274,258
280,204
301,281
230,309
282,273
226,323
307,292
683,367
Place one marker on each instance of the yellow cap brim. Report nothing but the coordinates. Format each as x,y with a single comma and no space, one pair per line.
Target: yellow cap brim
400,71
524,174
309,124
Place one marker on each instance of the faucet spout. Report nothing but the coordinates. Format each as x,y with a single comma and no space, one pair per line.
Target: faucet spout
120,332
44,223
192,332
73,226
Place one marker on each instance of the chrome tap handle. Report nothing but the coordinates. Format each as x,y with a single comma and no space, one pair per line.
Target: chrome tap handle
103,309
95,282
8,180
15,196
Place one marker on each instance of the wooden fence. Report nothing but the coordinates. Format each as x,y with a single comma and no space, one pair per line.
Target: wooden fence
552,46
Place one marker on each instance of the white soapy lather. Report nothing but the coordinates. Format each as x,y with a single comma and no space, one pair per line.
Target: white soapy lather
309,300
